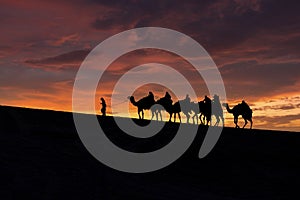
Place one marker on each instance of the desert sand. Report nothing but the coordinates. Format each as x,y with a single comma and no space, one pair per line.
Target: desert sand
42,157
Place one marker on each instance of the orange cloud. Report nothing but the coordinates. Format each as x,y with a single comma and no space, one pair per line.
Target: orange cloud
257,50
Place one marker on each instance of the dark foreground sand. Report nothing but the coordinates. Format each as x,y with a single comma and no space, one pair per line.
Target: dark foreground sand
42,157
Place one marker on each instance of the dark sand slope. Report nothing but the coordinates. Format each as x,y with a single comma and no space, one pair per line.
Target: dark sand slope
41,157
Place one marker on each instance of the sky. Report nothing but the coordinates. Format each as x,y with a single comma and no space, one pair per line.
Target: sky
254,43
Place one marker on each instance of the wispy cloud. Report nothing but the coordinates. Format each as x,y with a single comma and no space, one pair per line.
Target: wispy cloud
65,60
255,44
73,38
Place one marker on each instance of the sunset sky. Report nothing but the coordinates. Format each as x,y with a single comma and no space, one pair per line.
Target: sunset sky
254,43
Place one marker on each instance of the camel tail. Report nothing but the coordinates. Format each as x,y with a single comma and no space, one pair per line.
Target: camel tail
132,100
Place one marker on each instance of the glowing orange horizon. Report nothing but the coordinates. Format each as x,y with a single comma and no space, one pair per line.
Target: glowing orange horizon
259,112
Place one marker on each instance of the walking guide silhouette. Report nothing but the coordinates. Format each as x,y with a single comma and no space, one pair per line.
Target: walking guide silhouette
103,109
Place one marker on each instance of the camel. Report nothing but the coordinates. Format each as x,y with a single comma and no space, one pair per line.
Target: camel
156,110
158,106
144,103
204,109
217,110
174,109
185,106
240,109
166,104
195,110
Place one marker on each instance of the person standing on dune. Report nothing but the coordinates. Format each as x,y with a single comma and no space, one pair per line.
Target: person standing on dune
103,109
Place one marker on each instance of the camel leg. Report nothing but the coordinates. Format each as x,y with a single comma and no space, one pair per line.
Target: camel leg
170,117
139,112
251,122
179,117
152,114
236,122
208,120
160,115
187,118
195,121
217,122
142,114
200,117
246,122
204,119
174,117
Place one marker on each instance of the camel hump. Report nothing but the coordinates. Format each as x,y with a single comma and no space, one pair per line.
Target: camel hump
148,101
167,95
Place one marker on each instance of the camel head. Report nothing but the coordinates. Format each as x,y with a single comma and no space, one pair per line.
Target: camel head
130,98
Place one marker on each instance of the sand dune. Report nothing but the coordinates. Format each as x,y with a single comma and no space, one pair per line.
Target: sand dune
42,157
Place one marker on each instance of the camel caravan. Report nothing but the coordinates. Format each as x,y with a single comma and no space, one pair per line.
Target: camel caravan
196,111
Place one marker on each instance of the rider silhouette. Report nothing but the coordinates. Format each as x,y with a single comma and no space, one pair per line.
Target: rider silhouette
187,98
207,100
150,94
216,98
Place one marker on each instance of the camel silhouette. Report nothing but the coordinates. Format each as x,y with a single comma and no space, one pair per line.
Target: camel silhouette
158,106
195,110
166,104
156,111
240,109
204,108
144,103
174,109
217,110
186,107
